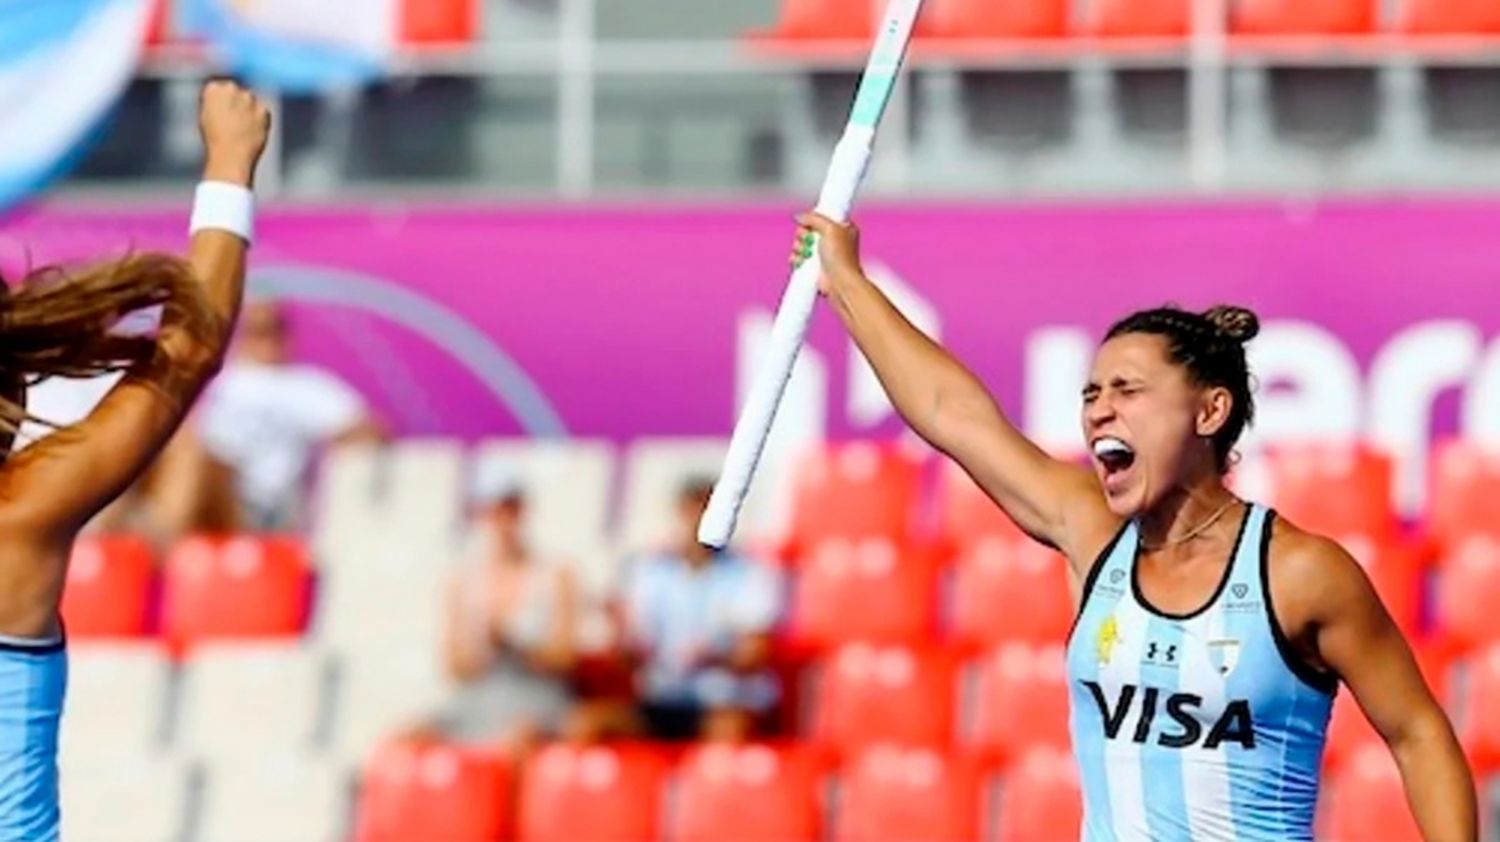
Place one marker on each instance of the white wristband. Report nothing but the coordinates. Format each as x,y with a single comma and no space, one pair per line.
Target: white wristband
221,206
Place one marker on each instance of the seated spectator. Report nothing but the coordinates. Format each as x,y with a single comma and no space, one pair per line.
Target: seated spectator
699,625
265,417
511,631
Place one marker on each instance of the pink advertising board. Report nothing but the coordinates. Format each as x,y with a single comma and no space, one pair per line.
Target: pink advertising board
1382,317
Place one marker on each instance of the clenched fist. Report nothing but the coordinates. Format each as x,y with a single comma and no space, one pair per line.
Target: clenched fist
235,125
837,245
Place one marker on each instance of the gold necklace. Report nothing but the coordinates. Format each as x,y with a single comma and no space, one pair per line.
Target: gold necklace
1195,531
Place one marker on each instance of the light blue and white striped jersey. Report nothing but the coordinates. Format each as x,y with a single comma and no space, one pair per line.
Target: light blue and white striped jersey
1202,726
33,681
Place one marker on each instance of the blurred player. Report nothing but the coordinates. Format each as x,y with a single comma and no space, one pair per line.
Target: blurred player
58,324
1211,635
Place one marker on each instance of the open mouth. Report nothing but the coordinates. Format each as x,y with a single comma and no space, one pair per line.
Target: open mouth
1114,454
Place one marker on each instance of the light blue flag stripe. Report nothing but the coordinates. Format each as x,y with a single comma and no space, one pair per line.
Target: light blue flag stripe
63,66
269,60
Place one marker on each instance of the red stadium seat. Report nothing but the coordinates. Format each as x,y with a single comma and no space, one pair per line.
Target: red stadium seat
1469,590
1367,801
967,515
855,490
157,29
827,20
1435,659
1300,17
894,795
1022,701
1349,731
108,588
1395,569
1465,488
1011,19
598,793
429,22
433,791
244,587
1011,590
1040,801
1479,725
1334,489
896,595
1452,17
751,793
1141,18
897,695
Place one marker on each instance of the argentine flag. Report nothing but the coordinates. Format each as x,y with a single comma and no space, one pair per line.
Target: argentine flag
63,64
299,46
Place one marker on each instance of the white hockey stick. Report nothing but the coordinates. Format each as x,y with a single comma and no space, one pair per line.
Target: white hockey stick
850,160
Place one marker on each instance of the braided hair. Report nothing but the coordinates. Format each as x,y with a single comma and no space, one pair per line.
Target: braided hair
1210,347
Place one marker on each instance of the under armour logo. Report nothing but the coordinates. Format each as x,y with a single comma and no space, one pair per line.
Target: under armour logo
1153,650
1115,576
1239,591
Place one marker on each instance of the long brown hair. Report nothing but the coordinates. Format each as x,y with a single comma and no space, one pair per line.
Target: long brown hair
63,322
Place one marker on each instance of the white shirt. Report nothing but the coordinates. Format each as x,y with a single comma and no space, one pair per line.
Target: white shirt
679,615
63,401
265,421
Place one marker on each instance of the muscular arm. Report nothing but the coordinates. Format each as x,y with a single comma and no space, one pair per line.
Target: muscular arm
54,487
943,402
62,481
1356,638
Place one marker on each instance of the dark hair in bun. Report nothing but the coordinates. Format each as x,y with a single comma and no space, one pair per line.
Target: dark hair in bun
1237,323
1210,346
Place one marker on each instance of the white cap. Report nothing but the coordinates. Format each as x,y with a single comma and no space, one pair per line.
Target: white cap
494,481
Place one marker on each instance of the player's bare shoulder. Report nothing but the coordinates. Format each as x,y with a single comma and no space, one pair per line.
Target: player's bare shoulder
1092,529
1309,576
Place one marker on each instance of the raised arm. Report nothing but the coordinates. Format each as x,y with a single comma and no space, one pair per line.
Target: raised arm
1053,501
52,488
1357,639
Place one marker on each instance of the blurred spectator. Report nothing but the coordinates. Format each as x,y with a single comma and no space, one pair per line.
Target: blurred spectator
512,626
265,417
700,624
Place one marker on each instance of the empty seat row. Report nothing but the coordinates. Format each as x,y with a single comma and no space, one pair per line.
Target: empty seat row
247,588
406,500
632,793
1015,699
750,793
155,799
864,489
395,508
776,793
1000,706
854,19
208,588
1005,587
240,701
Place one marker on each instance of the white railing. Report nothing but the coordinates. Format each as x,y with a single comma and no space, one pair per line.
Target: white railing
576,59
